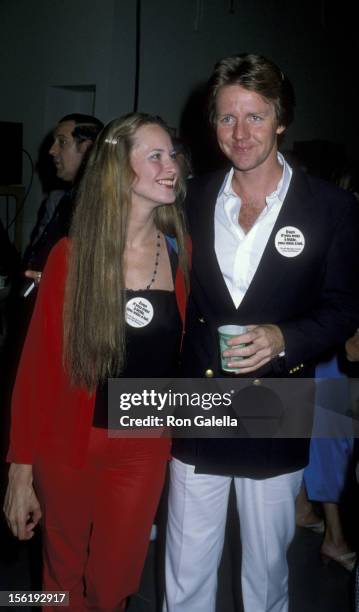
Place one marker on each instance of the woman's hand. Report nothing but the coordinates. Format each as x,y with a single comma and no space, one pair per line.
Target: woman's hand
21,506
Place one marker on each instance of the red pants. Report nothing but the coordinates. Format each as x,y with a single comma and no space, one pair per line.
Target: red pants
97,519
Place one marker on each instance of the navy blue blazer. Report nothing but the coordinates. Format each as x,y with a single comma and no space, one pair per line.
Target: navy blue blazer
313,297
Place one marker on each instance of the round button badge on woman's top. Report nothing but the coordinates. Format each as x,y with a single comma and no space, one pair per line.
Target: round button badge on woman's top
139,312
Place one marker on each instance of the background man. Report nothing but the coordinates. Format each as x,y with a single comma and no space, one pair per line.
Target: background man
299,298
73,138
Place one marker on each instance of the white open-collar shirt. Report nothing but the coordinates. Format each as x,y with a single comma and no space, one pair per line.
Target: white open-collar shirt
238,253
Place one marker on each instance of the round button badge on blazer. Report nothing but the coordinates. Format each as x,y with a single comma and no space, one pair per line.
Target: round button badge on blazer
209,373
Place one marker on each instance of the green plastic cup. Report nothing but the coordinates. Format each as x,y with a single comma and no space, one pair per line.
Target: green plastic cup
225,333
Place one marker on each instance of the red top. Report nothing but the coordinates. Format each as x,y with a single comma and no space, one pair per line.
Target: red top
50,417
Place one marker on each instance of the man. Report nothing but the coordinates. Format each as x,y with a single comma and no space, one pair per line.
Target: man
73,138
274,250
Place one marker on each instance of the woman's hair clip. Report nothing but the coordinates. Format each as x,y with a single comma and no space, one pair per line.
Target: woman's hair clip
112,141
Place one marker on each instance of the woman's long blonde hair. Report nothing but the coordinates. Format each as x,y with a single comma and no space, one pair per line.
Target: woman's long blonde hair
94,309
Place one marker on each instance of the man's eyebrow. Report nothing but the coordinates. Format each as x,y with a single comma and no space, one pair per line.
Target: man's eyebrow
60,135
265,111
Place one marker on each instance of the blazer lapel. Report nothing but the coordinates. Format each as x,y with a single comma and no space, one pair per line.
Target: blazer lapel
273,265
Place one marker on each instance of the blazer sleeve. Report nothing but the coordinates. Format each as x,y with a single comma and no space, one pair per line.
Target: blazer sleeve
40,374
335,315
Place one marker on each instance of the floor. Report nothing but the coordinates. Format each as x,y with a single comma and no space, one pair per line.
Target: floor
313,587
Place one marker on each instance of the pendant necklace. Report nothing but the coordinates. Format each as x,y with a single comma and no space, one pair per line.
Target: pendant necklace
139,310
157,257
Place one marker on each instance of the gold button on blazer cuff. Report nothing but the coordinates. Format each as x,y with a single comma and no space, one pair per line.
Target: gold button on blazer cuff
296,368
209,373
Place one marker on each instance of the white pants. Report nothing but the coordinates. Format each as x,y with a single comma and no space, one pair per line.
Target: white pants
195,534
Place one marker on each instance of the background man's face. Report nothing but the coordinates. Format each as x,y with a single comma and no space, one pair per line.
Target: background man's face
66,152
246,127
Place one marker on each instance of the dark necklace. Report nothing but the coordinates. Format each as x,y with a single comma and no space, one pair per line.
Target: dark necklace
154,273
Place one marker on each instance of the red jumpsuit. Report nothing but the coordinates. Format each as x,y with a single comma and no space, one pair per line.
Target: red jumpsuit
98,494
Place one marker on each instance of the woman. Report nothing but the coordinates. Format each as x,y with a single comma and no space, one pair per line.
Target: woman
329,472
330,468
97,495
